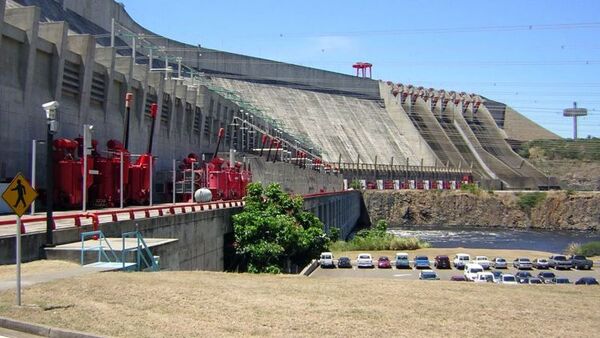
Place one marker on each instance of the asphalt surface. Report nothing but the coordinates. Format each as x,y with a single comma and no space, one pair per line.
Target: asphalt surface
443,274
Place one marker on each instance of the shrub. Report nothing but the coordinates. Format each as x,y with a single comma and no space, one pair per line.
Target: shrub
355,184
529,201
274,229
377,238
471,188
589,249
572,248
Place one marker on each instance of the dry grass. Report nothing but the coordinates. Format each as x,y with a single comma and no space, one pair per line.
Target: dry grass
36,267
195,304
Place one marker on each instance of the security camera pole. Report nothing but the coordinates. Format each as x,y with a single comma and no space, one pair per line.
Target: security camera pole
87,145
51,118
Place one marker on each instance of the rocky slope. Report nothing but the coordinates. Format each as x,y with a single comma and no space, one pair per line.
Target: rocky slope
555,210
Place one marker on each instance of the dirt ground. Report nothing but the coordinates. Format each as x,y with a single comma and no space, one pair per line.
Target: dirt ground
199,304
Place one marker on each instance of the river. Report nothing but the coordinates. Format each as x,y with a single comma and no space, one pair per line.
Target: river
497,238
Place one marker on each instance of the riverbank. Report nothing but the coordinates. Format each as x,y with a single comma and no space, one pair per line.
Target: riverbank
563,210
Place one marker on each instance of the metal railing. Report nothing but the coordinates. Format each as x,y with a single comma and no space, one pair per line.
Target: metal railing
102,244
142,252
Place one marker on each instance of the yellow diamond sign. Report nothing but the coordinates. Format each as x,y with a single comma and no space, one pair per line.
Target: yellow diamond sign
19,195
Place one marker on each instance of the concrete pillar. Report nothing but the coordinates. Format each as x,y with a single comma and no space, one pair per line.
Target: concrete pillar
28,20
2,7
179,113
56,32
191,98
140,73
124,65
106,57
84,45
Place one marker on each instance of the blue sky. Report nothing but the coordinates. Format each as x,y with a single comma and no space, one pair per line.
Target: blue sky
536,56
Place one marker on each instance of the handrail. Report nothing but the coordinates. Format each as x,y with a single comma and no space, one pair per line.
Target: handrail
101,252
162,209
141,245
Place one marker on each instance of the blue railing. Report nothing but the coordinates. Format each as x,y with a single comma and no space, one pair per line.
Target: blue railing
144,257
103,247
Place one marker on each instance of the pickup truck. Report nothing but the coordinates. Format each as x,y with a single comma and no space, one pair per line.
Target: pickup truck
581,263
560,262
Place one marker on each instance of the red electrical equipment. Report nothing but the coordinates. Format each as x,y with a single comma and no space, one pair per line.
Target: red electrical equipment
68,173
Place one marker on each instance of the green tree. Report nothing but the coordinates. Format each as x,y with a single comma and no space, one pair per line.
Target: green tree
273,228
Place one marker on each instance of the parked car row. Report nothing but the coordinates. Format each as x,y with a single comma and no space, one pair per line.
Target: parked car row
476,274
461,261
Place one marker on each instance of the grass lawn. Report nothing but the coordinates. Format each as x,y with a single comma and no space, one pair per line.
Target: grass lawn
199,304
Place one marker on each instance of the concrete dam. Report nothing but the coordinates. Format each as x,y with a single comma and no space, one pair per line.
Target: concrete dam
88,54
61,50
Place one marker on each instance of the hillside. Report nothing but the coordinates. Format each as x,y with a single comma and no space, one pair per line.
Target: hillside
575,163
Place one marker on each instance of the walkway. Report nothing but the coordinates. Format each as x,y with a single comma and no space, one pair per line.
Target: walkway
69,219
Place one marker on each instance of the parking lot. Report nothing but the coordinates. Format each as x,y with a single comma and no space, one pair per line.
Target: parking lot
443,274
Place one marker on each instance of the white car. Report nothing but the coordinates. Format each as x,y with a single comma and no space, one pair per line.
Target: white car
326,260
485,277
508,279
471,271
364,260
460,260
499,263
483,261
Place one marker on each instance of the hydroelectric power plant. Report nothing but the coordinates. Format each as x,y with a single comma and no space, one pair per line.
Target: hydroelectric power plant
151,120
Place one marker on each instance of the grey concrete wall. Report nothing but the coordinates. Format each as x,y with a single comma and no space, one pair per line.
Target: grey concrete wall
101,12
200,235
341,210
35,67
199,246
293,179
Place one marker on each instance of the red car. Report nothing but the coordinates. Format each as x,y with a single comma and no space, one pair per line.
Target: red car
384,263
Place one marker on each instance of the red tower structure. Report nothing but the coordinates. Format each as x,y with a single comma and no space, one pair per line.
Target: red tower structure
362,67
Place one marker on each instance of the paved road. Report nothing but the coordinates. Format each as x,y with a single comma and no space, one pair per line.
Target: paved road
6,333
9,283
412,274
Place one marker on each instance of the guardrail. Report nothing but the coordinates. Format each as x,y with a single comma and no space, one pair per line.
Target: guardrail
162,210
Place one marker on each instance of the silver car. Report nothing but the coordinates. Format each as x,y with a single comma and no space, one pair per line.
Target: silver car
499,263
522,263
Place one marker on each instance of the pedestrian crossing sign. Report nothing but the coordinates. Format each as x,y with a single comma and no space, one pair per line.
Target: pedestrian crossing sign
19,194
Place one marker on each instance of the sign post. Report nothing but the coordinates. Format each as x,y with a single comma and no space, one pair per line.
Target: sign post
18,196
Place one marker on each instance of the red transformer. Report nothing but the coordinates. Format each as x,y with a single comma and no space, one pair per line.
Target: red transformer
68,173
138,191
105,191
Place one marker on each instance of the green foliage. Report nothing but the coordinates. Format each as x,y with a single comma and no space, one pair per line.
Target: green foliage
334,234
580,149
471,188
273,228
569,192
377,238
530,200
589,249
355,184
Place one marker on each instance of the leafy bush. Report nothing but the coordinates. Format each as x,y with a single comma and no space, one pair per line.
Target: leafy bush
471,188
274,228
377,238
334,234
355,184
529,201
589,249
